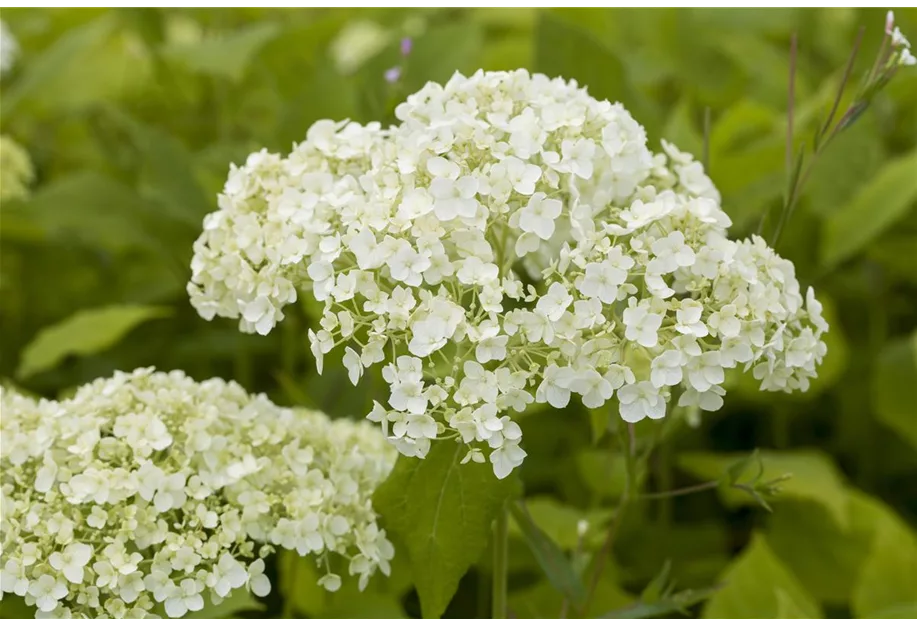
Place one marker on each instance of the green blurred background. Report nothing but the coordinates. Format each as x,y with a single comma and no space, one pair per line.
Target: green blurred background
130,119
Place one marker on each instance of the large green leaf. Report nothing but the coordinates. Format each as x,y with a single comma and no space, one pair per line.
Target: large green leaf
758,585
894,392
441,510
878,205
812,476
225,56
84,333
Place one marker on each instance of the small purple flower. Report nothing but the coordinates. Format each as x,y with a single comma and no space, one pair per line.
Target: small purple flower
889,22
393,74
406,45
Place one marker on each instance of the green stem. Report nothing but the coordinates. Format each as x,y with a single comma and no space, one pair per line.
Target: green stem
501,540
630,492
691,489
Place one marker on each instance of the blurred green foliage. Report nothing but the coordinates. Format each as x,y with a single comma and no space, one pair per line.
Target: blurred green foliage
131,118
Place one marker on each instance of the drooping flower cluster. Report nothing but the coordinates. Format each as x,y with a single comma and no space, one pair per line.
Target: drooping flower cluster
150,493
9,48
512,241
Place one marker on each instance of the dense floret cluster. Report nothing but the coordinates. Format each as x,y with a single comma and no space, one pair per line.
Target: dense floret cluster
512,241
149,493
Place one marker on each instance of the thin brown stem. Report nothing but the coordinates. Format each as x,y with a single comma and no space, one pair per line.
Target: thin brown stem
790,114
840,92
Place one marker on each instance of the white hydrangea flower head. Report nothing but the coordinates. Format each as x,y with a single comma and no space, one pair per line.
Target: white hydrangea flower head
512,241
9,49
150,493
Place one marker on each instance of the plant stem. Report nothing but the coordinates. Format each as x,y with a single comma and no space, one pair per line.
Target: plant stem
692,489
629,493
501,540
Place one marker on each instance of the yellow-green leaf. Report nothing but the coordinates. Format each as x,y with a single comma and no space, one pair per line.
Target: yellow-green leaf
887,585
84,333
758,585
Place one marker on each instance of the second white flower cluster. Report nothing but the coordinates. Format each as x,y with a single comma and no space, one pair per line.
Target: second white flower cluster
512,241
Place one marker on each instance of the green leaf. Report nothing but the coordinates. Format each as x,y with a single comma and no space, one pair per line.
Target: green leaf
542,600
740,125
303,597
754,585
441,510
559,522
894,391
442,51
850,161
878,205
167,171
567,50
826,557
84,333
681,129
54,61
600,419
550,557
674,603
813,476
603,472
225,56
887,585
91,209
240,600
13,606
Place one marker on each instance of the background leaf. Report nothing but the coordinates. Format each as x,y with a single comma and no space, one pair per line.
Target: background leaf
84,333
882,202
895,387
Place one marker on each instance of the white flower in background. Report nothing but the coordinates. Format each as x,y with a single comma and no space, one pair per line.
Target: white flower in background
511,241
9,48
157,489
358,41
900,45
